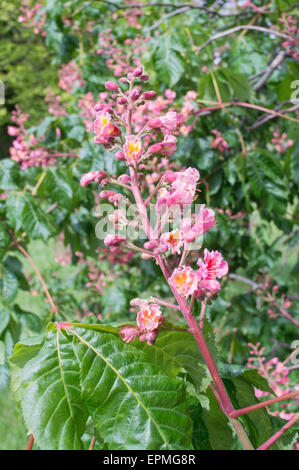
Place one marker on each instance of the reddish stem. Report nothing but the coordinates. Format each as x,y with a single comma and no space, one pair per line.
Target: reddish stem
92,443
257,406
47,293
279,433
30,442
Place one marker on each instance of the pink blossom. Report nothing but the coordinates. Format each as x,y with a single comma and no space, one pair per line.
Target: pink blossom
213,267
149,318
171,241
133,149
184,280
204,221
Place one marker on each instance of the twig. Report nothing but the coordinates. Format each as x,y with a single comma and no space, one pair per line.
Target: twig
202,314
279,433
179,11
239,28
270,69
47,293
257,406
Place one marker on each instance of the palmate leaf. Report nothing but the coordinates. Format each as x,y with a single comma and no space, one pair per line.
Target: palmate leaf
52,404
133,403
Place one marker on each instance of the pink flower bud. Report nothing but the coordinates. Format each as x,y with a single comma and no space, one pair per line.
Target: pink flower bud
138,72
106,194
149,336
144,78
123,80
121,100
148,95
120,156
111,86
128,333
151,244
124,179
156,148
135,93
152,123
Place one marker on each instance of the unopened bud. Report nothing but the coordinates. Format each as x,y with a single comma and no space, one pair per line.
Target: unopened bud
111,86
148,95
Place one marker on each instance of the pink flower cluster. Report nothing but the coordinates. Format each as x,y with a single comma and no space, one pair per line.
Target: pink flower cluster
174,192
281,142
22,150
119,59
277,375
203,281
219,142
29,152
55,107
69,76
29,12
149,319
290,28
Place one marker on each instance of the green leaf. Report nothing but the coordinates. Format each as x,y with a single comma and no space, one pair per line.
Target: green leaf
9,286
52,404
168,61
9,174
58,187
217,424
28,319
23,353
25,214
246,57
4,319
177,350
133,403
4,240
258,423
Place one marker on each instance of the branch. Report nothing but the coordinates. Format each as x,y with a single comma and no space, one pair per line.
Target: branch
270,69
257,406
179,11
239,28
279,433
47,293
